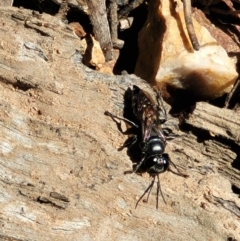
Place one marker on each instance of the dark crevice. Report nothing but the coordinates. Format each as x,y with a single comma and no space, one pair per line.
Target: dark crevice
76,15
129,53
236,163
19,84
180,100
231,239
44,200
202,135
23,86
219,102
47,6
236,190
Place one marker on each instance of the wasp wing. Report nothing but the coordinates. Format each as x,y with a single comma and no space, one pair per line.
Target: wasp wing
147,112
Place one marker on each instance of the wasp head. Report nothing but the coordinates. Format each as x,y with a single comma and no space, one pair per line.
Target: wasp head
157,163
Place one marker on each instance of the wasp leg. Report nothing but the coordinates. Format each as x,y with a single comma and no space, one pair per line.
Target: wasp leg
146,200
107,113
169,135
148,189
189,24
139,164
129,142
178,172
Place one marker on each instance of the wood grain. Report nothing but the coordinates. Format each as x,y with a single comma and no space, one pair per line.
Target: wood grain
61,176
98,16
218,121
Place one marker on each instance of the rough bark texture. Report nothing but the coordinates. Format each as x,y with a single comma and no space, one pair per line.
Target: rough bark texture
6,3
61,176
98,16
219,122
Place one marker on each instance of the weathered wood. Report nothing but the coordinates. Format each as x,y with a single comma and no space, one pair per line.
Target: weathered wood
233,97
113,23
98,16
6,3
62,12
60,172
124,12
220,122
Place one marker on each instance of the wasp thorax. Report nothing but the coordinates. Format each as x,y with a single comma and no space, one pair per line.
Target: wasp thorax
155,146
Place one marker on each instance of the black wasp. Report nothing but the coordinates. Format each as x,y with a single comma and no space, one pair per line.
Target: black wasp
151,136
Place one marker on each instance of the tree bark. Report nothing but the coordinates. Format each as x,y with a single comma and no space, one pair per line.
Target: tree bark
98,16
218,122
61,176
6,3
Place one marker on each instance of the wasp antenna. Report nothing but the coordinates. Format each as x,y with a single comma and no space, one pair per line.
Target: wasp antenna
139,164
148,189
159,189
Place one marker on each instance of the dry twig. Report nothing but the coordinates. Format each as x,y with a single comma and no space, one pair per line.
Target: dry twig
189,24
